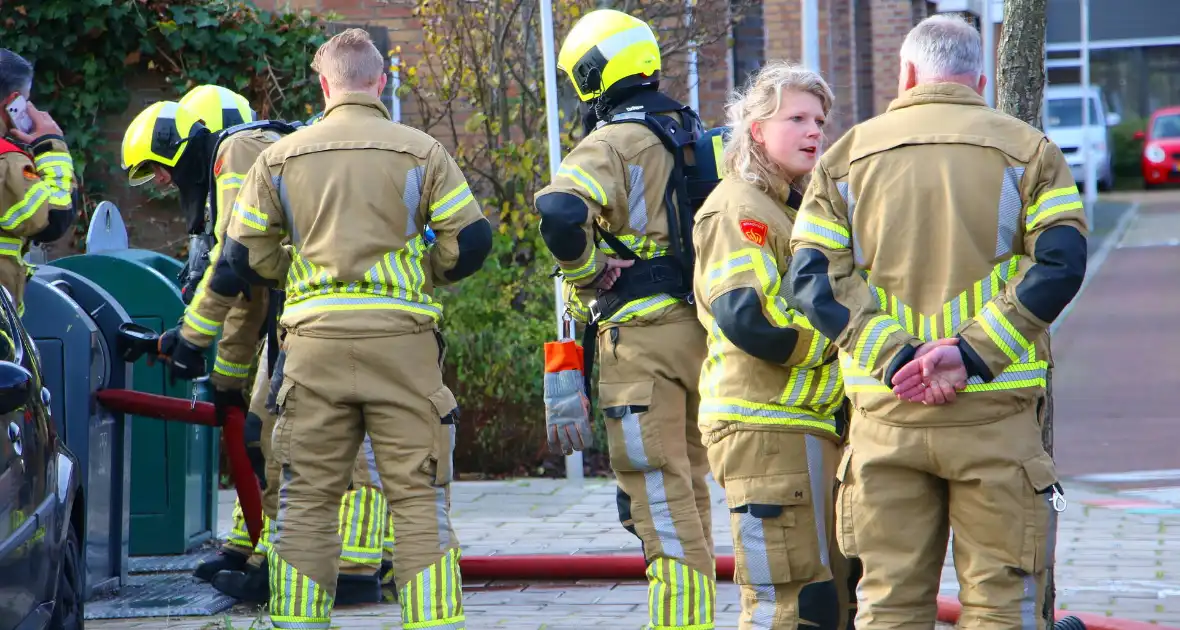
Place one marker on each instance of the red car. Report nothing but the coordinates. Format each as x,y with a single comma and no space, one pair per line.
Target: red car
1161,148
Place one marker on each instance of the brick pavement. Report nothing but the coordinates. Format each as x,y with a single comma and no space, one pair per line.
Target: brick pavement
1110,561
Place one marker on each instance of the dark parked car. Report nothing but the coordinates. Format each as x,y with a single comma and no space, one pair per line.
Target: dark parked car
41,514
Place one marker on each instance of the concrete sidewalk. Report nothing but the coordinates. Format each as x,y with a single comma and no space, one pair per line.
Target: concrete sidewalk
1112,560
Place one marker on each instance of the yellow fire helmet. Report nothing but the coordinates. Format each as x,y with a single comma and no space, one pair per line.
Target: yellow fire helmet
219,108
159,134
608,48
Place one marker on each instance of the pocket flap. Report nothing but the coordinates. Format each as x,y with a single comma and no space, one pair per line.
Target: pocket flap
284,392
445,405
1041,472
615,398
792,489
845,464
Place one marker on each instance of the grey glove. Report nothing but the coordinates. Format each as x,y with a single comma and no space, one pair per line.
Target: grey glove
567,413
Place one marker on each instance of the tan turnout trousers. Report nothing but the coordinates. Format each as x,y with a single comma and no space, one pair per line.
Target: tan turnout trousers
647,390
780,486
334,391
904,487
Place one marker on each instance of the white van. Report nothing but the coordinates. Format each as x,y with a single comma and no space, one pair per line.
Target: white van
1063,124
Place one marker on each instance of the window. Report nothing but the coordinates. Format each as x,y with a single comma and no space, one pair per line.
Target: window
1166,127
1067,112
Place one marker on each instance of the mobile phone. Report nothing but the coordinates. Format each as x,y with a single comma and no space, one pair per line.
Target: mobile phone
18,113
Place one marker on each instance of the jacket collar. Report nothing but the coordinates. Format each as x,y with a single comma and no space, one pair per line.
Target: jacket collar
950,93
357,104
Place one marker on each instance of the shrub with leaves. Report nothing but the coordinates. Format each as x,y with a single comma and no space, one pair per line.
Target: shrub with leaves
84,51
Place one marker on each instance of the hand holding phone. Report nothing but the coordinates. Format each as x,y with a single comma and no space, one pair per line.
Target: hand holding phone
18,113
39,123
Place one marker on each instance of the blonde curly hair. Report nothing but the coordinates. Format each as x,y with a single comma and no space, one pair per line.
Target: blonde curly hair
761,99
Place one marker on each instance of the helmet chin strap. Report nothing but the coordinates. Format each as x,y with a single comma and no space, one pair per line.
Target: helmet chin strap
191,176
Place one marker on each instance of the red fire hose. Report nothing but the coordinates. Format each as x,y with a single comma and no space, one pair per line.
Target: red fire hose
203,413
519,567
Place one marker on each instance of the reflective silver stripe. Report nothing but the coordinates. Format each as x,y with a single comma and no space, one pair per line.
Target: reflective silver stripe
636,199
309,625
657,494
412,197
820,490
616,43
1002,332
285,202
370,458
1009,210
757,566
845,189
371,302
1028,603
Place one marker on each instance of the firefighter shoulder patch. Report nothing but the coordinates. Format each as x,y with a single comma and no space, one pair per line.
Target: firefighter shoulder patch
30,174
217,166
754,231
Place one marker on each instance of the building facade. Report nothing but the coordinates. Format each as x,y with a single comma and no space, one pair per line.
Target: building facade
859,40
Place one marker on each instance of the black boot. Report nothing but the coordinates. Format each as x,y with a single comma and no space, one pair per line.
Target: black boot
251,585
225,561
358,589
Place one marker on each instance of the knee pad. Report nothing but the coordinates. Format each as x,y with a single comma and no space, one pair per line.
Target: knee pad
819,605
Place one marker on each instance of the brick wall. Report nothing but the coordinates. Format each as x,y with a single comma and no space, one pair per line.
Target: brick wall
891,20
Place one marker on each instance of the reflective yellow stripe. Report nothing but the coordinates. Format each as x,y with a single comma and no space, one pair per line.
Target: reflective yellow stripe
227,181
11,246
821,232
199,322
583,271
679,597
738,410
451,203
873,338
1053,202
975,302
769,278
230,369
251,216
583,179
362,525
239,536
397,281
433,598
295,600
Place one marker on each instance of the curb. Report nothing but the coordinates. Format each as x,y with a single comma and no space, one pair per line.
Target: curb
949,609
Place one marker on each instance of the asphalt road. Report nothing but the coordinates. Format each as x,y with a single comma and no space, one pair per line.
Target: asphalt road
1116,365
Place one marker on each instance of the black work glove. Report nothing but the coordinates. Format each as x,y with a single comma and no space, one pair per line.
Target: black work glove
187,361
226,399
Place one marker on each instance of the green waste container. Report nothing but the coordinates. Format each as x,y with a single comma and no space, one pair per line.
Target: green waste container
174,466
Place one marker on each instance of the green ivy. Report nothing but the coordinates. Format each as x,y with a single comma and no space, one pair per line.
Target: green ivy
84,51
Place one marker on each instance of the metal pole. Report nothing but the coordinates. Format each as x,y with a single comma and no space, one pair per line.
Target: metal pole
395,101
573,461
694,92
810,25
988,31
1091,183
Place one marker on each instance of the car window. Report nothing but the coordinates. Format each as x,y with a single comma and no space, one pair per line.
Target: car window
1067,112
1166,127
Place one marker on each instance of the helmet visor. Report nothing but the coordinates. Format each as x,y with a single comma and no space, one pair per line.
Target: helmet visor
141,174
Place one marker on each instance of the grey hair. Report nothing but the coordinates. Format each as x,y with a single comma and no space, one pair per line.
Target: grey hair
760,100
16,73
944,46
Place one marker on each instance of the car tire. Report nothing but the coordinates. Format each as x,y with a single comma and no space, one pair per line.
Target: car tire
69,611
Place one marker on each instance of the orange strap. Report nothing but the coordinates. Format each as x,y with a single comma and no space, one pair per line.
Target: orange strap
563,356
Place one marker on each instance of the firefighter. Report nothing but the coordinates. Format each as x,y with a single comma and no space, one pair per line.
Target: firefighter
772,401
935,245
219,153
37,193
626,259
378,215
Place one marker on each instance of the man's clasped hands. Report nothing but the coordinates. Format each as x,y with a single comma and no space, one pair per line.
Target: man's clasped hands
934,376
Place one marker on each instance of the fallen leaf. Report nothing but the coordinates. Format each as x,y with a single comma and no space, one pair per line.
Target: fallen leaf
131,59
21,10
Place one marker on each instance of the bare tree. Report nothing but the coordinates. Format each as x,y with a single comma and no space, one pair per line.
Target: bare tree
1020,86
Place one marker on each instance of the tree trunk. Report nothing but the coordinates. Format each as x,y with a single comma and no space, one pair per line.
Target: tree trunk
1020,84
1020,60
